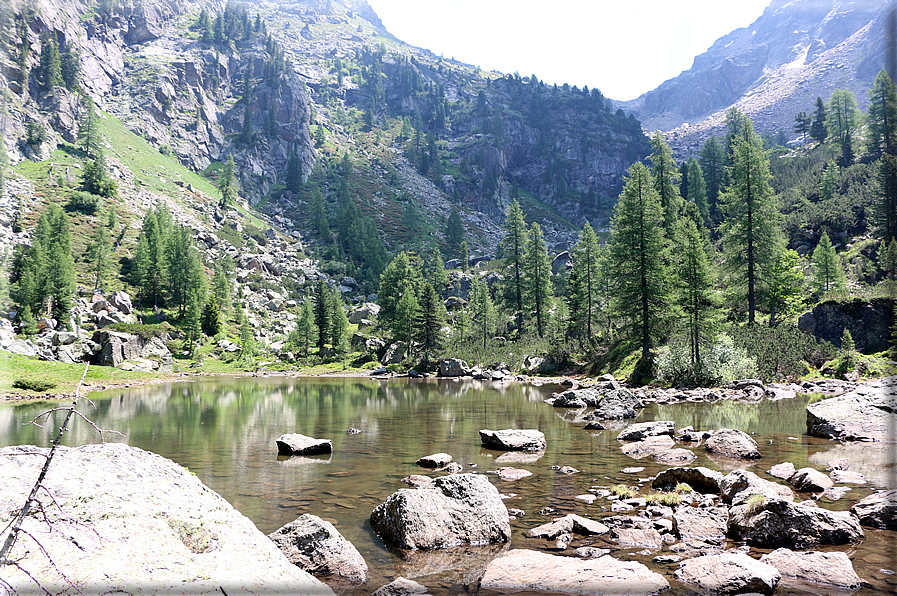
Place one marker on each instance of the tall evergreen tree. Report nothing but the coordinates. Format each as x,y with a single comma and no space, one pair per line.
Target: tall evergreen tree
828,274
802,124
882,119
697,188
221,284
397,279
305,328
751,228
666,181
538,278
817,128
454,232
24,54
339,323
637,257
95,178
50,63
211,317
60,265
99,251
482,311
323,313
150,261
183,267
227,183
429,321
70,67
783,283
694,284
405,316
582,287
712,162
293,175
513,250
842,122
885,209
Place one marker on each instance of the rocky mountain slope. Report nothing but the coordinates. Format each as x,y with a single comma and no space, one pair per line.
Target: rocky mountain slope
796,51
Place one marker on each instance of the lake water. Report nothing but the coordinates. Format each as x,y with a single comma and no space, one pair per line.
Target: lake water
224,430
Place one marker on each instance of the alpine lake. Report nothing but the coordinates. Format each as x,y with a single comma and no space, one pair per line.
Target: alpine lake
224,431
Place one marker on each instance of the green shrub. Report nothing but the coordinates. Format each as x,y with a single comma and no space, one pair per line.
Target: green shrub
35,134
783,351
36,385
721,363
84,202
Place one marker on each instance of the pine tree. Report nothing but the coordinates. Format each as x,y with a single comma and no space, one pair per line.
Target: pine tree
399,277
70,67
666,181
95,178
697,189
60,265
887,258
323,313
842,122
227,184
582,288
465,254
885,208
339,324
405,315
88,132
454,232
429,321
828,274
637,257
783,284
245,137
817,128
828,182
100,254
221,285
751,228
50,63
848,347
150,261
293,175
482,311
694,280
183,267
513,248
712,164
538,291
802,123
211,317
305,327
882,133
24,53
29,325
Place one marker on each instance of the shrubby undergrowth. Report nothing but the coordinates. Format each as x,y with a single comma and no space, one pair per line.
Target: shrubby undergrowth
721,362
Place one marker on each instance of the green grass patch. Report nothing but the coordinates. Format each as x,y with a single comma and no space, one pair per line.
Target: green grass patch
64,377
622,491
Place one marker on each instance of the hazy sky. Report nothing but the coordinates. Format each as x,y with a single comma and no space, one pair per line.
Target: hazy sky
622,48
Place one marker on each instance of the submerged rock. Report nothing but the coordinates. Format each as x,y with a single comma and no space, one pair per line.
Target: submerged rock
533,570
513,439
315,546
401,587
451,510
729,573
141,520
643,430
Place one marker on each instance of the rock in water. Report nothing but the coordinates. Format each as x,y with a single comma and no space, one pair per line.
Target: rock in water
296,444
736,487
401,587
730,442
643,430
533,570
777,522
161,528
729,573
810,480
437,460
834,569
701,479
878,510
451,510
867,414
315,546
513,439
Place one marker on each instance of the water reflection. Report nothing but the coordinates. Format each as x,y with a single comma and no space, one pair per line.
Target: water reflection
224,430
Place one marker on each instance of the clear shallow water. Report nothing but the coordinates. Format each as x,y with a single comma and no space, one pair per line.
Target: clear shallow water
224,430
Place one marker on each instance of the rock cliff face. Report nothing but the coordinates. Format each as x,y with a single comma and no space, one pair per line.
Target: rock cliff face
869,323
796,51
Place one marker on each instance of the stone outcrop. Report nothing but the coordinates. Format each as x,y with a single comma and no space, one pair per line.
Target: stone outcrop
643,430
730,442
878,510
315,546
116,349
130,517
777,522
615,404
829,568
868,413
737,487
729,573
296,444
704,524
453,367
513,439
532,570
869,323
451,510
701,479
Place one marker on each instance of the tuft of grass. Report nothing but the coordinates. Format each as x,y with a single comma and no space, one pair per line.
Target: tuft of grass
755,503
623,491
36,385
669,499
683,489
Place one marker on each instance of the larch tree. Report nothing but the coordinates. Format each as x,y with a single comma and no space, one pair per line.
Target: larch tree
305,328
697,189
322,313
712,162
537,288
99,251
751,226
666,181
513,249
783,283
405,316
583,285
429,321
454,232
483,313
227,183
842,122
637,257
882,117
397,279
827,272
885,208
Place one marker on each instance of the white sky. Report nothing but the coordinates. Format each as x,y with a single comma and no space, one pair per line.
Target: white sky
622,48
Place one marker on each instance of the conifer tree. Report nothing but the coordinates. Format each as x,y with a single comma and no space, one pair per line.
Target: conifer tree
802,124
211,317
828,274
887,258
434,270
751,228
95,178
246,133
694,283
429,321
885,208
637,257
24,52
482,311
817,127
513,249
538,278
666,181
150,261
221,285
183,268
405,315
454,232
397,279
319,216
842,121
70,67
783,283
88,132
29,325
828,182
60,265
848,347
465,254
305,327
247,342
227,184
323,312
712,162
100,253
697,189
339,323
293,175
50,63
882,134
582,288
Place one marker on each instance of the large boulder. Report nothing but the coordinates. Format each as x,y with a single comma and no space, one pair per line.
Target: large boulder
533,570
513,439
833,569
730,442
737,487
450,511
868,413
116,348
616,404
729,573
643,430
296,444
777,522
133,518
22,348
810,480
538,365
704,524
701,479
315,546
121,301
878,510
869,323
452,367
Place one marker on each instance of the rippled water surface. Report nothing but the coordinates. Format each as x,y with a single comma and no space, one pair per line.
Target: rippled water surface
224,430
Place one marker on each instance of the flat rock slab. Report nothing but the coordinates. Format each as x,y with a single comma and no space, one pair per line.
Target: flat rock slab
705,523
513,439
878,510
784,470
701,479
511,473
416,480
830,568
868,413
401,587
729,573
437,460
162,529
647,446
672,457
533,570
450,511
629,537
314,545
296,444
730,442
847,477
643,430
